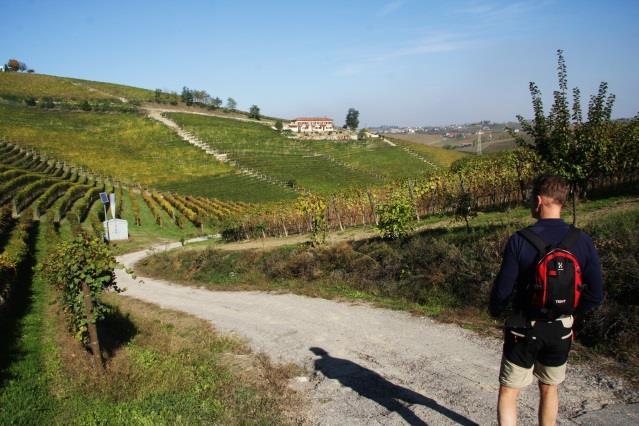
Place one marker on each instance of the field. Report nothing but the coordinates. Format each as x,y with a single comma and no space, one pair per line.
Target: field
497,141
372,156
133,149
319,166
444,157
19,86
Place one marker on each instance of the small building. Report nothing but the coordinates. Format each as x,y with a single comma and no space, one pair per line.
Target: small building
310,124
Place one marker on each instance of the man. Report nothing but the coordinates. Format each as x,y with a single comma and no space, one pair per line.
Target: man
538,345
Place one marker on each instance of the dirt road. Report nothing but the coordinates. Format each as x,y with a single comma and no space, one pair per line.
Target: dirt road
368,365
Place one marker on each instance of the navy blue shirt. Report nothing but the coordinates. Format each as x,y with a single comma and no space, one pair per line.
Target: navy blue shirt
520,257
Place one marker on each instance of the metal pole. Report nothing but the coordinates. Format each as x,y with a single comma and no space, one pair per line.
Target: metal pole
108,233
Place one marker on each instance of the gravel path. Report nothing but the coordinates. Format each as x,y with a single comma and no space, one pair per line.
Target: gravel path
376,366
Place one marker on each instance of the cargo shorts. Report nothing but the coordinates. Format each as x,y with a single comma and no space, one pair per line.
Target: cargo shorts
540,350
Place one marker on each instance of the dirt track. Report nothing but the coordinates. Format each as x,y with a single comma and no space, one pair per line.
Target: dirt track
375,366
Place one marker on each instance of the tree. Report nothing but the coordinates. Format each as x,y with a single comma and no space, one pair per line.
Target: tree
278,125
569,146
254,112
216,102
158,95
352,119
187,96
231,104
14,65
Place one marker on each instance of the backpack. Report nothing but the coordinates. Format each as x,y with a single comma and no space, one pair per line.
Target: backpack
556,285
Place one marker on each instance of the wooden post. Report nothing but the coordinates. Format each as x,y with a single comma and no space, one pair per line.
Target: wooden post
94,343
373,208
337,215
412,198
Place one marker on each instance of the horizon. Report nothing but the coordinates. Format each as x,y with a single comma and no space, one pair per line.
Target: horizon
400,63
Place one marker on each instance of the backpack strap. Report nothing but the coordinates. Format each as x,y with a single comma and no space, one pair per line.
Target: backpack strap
535,240
571,238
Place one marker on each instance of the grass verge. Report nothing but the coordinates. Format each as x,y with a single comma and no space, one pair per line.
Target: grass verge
163,367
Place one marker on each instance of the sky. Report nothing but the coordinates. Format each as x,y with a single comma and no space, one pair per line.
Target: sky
399,62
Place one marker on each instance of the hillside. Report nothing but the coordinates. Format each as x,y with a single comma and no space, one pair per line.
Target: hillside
132,149
19,86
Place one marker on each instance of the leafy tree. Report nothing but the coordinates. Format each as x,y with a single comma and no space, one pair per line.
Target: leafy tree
278,125
352,119
15,65
216,102
568,145
254,112
158,95
187,96
231,104
395,216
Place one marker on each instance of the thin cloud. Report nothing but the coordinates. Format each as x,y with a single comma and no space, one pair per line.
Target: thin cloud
431,44
436,43
494,11
390,7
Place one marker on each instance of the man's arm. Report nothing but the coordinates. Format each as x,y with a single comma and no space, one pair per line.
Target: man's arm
505,282
592,295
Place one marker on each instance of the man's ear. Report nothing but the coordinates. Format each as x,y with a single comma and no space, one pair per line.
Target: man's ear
540,201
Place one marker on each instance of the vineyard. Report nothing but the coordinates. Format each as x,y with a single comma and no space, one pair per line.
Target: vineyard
145,152
33,186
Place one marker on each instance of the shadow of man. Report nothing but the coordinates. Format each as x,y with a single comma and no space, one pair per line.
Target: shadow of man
371,385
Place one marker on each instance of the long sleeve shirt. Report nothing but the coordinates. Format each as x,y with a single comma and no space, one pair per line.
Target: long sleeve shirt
518,265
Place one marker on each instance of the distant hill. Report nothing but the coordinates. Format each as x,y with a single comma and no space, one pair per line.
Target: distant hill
102,126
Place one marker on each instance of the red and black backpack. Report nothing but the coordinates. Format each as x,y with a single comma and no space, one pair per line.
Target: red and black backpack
556,283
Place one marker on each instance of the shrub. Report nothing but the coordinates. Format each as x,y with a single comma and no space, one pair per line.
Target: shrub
395,217
83,260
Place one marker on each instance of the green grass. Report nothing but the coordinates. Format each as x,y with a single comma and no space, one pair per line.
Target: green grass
372,156
20,85
117,90
131,148
260,148
440,156
163,368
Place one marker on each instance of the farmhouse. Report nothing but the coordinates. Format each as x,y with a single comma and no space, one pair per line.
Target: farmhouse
310,124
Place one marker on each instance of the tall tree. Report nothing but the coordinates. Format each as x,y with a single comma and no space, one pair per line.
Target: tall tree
216,102
352,118
254,112
187,95
564,142
231,104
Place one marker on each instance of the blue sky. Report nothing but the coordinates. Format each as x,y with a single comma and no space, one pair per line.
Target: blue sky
404,62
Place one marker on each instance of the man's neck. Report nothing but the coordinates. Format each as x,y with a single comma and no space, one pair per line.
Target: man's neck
550,214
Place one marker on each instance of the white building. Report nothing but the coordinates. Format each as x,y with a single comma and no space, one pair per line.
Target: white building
310,124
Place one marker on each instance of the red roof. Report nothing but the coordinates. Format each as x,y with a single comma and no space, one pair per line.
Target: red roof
313,119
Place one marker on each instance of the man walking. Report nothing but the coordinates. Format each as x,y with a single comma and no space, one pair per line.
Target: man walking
549,270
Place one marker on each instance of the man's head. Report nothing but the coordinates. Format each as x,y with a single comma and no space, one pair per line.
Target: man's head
548,196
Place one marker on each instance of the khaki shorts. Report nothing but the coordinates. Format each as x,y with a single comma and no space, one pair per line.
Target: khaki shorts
541,352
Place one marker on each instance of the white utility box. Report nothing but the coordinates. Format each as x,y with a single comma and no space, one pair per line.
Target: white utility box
116,229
